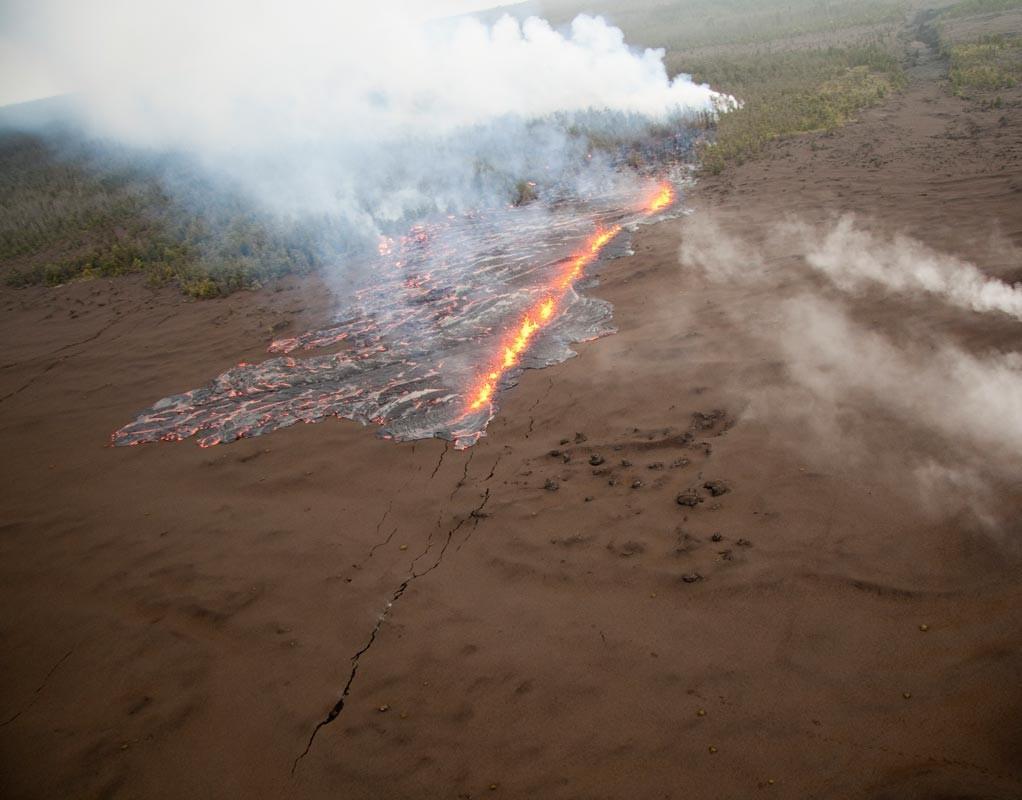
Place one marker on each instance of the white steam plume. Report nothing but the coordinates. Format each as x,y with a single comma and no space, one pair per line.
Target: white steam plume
853,259
912,404
337,108
959,395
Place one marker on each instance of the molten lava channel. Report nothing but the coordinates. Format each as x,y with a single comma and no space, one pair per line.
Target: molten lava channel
414,350
543,311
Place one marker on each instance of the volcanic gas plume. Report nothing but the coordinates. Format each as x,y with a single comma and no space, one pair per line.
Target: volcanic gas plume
457,309
419,134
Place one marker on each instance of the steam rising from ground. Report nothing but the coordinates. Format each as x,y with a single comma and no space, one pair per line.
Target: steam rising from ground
854,259
865,395
370,116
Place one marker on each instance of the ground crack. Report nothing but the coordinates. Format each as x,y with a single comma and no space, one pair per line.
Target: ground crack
379,525
39,689
335,711
31,381
493,469
476,515
436,469
464,475
540,399
378,545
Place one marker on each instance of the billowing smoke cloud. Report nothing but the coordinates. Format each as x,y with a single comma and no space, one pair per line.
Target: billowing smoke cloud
370,115
955,414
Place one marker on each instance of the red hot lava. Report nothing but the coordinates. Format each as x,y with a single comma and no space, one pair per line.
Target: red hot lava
542,311
414,344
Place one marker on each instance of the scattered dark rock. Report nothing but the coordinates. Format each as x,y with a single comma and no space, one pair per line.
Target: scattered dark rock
565,441
555,454
629,549
690,498
655,465
589,499
566,458
692,577
625,462
551,485
708,420
679,462
744,543
726,555
686,544
595,459
716,537
716,488
580,437
612,482
636,484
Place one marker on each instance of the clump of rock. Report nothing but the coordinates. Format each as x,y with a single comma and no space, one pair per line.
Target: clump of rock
690,498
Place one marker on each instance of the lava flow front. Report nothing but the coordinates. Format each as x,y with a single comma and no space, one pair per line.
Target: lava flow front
415,350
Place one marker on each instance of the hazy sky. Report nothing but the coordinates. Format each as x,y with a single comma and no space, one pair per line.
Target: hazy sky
26,75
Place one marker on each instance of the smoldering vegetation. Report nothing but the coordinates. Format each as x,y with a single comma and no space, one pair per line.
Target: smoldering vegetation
869,373
77,207
298,121
247,161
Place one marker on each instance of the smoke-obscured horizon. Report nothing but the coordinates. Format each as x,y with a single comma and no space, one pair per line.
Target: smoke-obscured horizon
358,118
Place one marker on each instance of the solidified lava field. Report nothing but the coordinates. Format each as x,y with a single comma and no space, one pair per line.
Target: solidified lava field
455,310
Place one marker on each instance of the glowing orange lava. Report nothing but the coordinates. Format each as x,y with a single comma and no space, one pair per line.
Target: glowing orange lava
541,312
663,198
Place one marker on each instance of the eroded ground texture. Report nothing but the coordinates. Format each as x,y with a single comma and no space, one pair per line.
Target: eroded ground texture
830,611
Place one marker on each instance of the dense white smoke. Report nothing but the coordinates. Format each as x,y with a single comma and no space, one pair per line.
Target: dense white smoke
336,108
231,75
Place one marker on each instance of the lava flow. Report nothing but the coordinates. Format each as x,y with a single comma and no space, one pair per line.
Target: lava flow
663,199
410,351
537,316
